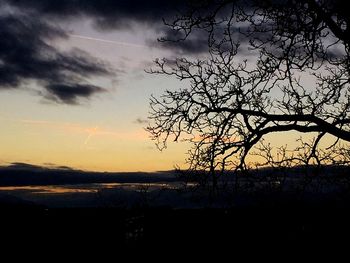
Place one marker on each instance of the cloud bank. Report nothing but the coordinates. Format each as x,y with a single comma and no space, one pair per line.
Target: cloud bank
26,55
29,27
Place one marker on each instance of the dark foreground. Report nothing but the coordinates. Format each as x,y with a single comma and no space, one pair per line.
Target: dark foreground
248,232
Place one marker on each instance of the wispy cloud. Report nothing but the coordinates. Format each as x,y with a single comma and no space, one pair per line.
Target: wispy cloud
90,131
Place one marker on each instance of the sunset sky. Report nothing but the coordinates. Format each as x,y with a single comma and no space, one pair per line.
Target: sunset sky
73,87
102,127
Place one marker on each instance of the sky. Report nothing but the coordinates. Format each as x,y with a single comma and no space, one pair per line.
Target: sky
73,86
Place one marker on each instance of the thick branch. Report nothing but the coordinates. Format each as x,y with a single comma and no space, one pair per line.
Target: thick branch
323,126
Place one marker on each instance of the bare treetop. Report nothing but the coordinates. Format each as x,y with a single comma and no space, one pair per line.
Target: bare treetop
271,66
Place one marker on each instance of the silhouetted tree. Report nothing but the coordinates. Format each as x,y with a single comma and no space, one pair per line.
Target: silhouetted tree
271,66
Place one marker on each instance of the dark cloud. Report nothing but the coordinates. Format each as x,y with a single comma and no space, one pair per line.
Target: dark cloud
190,46
27,27
170,39
55,166
31,167
26,55
107,14
19,165
121,14
141,121
69,93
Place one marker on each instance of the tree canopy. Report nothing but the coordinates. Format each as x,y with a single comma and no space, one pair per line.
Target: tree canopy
271,66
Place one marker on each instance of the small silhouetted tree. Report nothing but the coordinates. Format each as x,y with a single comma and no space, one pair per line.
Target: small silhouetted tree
271,66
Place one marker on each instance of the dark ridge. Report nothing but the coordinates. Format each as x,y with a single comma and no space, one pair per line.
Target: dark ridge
20,174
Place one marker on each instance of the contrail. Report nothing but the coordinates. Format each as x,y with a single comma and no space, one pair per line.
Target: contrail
108,41
92,131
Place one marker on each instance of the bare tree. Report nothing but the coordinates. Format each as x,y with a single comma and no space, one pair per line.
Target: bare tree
271,66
